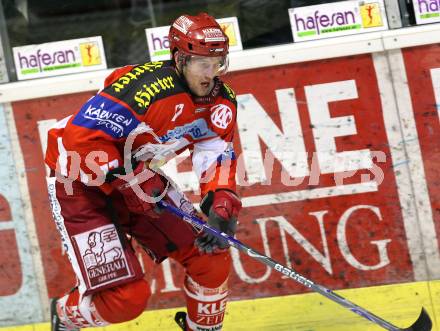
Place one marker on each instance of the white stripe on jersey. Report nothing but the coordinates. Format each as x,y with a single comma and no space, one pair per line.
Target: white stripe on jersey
206,154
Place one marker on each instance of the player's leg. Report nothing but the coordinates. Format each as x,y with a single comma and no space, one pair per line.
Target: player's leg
110,286
206,275
115,305
205,287
206,279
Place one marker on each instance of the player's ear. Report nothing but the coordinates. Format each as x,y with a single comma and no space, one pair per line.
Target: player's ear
176,60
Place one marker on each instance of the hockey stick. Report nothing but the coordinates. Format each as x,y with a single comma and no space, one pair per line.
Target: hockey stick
423,322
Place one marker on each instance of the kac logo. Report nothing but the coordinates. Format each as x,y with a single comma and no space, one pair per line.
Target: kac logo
221,116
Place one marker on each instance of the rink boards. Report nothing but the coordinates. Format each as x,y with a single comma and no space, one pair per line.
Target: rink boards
398,304
338,171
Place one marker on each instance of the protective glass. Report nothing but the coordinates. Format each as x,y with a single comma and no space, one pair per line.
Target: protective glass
211,66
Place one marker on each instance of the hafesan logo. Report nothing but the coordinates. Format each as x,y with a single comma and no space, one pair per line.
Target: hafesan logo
59,57
221,116
337,19
427,11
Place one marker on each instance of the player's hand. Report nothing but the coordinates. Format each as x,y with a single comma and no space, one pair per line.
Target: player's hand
222,215
141,190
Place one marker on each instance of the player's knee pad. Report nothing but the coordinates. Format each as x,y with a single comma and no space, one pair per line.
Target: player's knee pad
78,311
123,303
220,273
210,270
115,305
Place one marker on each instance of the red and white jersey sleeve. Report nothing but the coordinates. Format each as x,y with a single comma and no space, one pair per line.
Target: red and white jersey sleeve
86,145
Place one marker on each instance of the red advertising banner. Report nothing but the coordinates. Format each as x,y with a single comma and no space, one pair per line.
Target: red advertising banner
337,232
423,72
9,285
315,173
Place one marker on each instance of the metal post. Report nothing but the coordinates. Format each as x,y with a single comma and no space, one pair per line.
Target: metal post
6,61
393,13
407,12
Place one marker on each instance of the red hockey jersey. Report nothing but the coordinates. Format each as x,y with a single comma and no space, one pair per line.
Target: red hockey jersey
147,111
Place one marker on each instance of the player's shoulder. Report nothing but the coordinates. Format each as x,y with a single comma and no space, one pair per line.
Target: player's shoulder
228,93
116,74
223,113
141,85
131,76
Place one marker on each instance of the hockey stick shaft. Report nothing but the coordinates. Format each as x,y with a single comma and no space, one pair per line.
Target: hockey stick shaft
422,324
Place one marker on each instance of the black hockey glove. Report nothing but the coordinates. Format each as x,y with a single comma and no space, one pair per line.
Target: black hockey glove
222,208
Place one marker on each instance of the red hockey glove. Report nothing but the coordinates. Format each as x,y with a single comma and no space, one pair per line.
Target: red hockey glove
222,208
141,190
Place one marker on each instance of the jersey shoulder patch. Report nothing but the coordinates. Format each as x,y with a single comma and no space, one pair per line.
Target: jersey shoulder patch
144,84
106,115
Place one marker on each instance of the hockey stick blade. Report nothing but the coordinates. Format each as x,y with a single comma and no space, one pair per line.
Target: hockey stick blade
423,323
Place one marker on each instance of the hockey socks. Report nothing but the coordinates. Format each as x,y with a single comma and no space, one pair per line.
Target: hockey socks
206,306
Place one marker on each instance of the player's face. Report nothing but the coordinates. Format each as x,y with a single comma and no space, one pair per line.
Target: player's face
200,72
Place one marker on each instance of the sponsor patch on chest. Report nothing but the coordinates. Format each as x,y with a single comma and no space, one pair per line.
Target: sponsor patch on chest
196,130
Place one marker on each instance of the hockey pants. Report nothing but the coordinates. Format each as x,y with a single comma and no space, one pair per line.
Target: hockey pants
111,287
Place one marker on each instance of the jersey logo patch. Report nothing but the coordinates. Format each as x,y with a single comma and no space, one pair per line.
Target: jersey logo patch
182,24
177,111
103,114
149,91
140,87
197,129
102,256
221,116
134,75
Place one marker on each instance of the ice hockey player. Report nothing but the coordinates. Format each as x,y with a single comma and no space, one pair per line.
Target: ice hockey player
105,181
